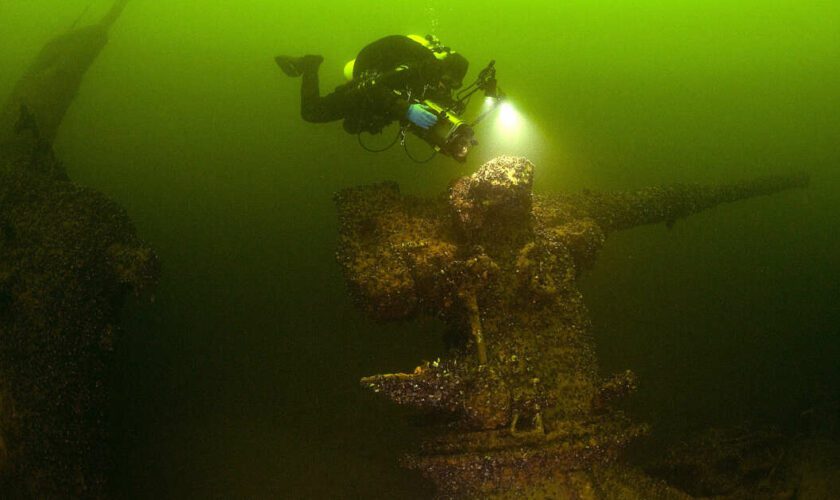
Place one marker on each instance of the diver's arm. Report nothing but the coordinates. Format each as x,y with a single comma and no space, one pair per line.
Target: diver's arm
398,107
378,94
382,98
393,88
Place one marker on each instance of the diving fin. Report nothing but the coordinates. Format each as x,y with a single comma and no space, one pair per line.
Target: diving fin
296,66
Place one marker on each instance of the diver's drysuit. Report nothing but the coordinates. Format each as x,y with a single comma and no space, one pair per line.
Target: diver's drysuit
386,74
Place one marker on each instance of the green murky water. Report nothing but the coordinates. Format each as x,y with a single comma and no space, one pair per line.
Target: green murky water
240,380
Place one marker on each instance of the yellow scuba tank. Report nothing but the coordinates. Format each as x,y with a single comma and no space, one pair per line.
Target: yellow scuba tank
348,69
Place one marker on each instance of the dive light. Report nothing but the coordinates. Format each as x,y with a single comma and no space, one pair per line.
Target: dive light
452,135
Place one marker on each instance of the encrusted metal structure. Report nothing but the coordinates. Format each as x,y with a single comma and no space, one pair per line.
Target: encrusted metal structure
526,413
68,258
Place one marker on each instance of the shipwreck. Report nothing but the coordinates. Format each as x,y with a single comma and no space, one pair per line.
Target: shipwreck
69,257
521,408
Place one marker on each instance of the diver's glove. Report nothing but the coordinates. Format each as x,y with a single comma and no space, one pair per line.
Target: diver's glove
420,115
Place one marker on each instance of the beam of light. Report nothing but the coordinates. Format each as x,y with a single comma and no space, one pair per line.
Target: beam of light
508,131
509,119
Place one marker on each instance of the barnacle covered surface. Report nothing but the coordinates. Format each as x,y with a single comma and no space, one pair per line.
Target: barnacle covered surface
68,257
530,416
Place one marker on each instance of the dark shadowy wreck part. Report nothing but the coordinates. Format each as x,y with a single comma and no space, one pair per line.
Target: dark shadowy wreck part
68,259
615,211
36,107
751,461
529,415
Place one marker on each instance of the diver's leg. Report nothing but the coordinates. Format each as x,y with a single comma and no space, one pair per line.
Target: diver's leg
313,107
317,109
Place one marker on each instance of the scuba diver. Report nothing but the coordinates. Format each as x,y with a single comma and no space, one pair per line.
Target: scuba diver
410,79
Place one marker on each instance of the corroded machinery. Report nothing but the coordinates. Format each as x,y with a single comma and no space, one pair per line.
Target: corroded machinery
68,258
524,411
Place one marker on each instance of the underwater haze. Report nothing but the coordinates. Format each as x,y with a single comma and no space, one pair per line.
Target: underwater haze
240,380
